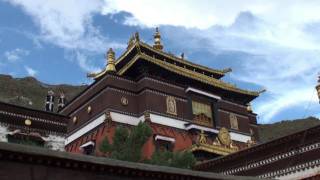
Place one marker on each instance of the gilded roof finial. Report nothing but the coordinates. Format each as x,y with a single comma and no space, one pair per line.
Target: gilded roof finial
157,40
131,41
111,67
318,87
136,36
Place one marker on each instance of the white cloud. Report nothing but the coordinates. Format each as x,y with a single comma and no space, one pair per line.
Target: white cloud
68,24
16,54
203,14
283,51
31,72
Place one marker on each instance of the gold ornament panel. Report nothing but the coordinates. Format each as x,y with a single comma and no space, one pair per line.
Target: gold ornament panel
171,105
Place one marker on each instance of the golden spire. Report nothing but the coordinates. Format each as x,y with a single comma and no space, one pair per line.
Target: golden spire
111,67
157,40
318,87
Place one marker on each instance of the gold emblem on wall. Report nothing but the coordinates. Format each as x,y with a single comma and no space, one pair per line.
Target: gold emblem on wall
89,109
124,101
224,136
27,122
233,121
74,119
171,105
202,137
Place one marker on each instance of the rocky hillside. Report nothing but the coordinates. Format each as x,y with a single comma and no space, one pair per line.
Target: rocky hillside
30,92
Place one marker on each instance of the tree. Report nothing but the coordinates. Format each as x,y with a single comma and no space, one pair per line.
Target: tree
127,145
180,159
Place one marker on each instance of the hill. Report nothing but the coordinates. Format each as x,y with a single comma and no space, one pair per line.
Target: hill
268,132
30,92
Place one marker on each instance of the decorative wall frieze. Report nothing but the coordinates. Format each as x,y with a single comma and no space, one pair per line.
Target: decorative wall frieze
293,170
161,82
162,94
122,79
44,133
96,84
272,159
121,91
33,118
124,92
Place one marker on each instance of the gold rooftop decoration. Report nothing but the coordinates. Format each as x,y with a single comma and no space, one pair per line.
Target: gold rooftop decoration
157,40
172,57
222,145
318,87
111,65
111,61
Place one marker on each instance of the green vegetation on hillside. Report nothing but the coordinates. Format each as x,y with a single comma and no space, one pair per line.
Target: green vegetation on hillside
269,132
29,92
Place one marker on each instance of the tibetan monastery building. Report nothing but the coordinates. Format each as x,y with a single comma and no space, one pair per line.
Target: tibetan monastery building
187,105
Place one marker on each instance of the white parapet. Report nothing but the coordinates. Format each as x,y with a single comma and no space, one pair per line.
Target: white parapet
55,142
3,133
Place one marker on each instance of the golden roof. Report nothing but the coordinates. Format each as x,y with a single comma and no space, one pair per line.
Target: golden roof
172,57
187,73
181,70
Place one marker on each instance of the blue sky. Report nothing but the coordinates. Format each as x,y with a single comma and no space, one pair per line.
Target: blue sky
269,44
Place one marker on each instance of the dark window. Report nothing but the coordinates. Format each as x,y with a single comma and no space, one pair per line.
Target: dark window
162,145
88,148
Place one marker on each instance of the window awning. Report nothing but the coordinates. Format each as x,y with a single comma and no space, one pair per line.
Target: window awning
164,138
89,143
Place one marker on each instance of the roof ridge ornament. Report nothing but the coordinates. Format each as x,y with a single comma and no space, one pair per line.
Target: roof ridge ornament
157,40
137,37
131,41
262,91
110,61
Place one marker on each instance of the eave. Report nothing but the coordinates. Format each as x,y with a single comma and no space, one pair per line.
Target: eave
176,60
187,73
220,150
185,61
